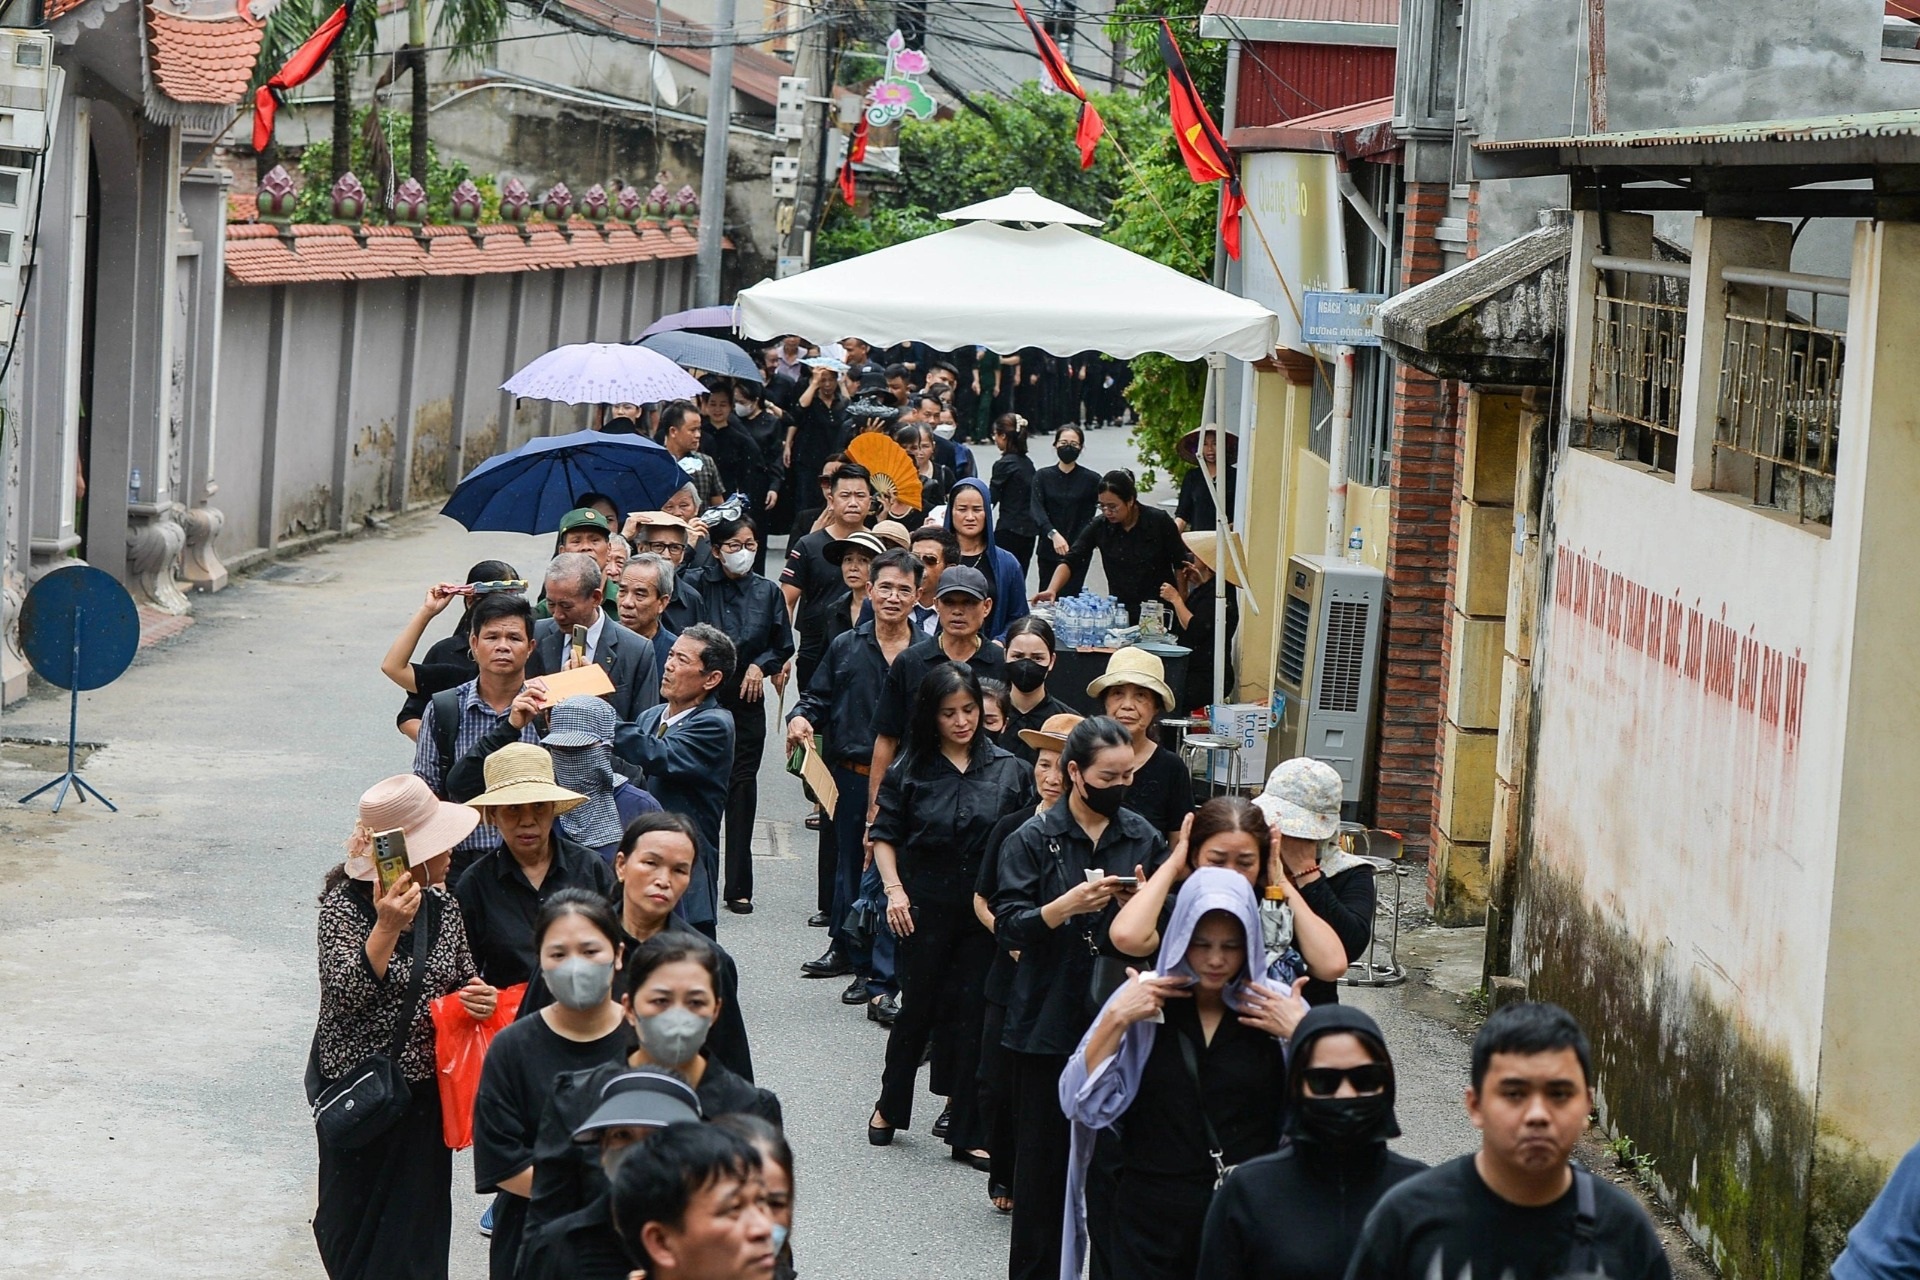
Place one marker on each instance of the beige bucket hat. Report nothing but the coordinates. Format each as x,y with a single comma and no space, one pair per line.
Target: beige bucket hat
432,825
522,773
1133,666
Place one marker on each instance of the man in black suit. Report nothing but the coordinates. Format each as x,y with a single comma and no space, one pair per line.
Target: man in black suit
574,591
684,748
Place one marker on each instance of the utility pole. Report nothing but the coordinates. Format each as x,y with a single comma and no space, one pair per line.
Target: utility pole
810,63
713,165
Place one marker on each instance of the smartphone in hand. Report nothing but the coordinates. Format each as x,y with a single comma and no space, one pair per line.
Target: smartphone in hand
389,858
579,646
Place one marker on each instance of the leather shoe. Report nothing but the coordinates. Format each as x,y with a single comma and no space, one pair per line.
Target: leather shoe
741,907
944,1123
883,1010
819,920
833,964
856,992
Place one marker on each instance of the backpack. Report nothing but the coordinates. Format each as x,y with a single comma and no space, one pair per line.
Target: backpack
445,710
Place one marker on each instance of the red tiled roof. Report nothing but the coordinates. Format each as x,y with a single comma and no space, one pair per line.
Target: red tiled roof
1361,131
256,255
1376,12
61,8
200,61
756,73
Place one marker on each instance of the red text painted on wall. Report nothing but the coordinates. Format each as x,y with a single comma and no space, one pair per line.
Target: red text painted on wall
1754,677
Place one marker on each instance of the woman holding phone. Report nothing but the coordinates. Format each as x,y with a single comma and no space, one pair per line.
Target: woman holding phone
384,1209
937,805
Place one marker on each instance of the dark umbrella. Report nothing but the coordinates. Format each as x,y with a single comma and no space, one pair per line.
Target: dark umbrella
709,355
528,490
719,318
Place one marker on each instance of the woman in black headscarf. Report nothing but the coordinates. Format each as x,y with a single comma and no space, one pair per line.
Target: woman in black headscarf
1331,1173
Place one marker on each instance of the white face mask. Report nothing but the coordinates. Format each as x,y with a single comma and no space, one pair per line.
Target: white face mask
737,562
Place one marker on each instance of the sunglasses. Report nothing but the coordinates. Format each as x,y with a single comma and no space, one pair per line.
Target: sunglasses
1324,1082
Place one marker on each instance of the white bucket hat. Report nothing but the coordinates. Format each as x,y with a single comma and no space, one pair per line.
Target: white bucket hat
1302,798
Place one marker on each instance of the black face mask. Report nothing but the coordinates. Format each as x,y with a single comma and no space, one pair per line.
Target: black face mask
1067,452
1026,674
1346,1122
1105,801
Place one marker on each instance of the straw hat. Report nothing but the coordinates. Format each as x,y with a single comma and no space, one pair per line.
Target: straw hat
522,773
1051,735
1206,545
432,826
859,540
1189,446
893,533
1133,666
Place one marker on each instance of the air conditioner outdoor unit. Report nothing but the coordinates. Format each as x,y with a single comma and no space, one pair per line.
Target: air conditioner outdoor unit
1330,626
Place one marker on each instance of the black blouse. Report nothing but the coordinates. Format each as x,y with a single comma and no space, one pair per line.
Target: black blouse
1012,487
1064,502
937,819
1162,792
358,1008
1242,1079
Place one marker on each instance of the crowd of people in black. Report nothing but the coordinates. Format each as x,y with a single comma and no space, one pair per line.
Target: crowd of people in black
1124,989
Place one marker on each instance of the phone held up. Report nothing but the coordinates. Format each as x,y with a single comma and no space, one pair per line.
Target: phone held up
389,858
579,646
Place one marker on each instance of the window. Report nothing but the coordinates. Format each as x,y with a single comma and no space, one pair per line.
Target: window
1776,433
1639,350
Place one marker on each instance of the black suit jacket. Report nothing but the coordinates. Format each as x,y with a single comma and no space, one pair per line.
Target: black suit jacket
687,770
627,657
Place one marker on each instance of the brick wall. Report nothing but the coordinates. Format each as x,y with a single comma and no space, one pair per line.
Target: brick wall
1420,546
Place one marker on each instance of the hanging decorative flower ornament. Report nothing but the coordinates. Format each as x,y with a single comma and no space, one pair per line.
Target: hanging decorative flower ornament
899,92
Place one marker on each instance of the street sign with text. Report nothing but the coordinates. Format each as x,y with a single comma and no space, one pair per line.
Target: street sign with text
1339,318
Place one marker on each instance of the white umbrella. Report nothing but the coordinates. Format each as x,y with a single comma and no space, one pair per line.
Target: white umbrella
1022,204
602,373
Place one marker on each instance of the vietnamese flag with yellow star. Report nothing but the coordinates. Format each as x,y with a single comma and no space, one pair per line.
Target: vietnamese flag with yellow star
1201,145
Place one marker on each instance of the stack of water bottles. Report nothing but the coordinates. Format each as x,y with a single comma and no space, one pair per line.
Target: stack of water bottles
1087,620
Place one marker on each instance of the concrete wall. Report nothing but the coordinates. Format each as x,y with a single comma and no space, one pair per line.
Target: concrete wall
341,401
1709,62
1717,724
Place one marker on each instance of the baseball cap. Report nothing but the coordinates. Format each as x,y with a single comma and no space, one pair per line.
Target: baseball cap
962,581
645,1099
586,518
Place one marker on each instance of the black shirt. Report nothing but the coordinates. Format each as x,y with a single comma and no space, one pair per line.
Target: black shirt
1447,1224
1013,493
1346,902
1065,502
1137,560
937,819
753,614
902,689
1334,1190
1043,711
1196,505
448,665
1242,1079
567,1174
1162,792
818,580
521,1065
1197,635
1052,1001
499,906
843,697
1000,975
580,1246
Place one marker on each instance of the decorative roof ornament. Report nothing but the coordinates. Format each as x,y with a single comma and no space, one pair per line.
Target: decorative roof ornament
516,206
628,205
595,207
463,207
557,205
899,92
410,204
349,200
276,195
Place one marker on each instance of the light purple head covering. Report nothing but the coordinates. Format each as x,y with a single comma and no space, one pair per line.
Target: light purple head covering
1094,1100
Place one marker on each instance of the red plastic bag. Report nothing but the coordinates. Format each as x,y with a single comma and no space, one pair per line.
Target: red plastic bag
460,1046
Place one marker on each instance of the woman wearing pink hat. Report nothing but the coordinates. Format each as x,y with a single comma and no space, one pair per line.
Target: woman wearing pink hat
384,1207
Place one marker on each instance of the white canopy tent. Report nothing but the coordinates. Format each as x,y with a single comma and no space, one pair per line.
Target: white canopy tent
1006,287
1037,283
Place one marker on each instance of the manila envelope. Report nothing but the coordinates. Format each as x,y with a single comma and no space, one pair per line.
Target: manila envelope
591,680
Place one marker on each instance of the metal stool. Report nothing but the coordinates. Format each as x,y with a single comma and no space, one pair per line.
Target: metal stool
1174,731
1361,842
1219,758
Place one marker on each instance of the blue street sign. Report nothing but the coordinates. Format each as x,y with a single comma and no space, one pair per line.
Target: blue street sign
79,603
1339,319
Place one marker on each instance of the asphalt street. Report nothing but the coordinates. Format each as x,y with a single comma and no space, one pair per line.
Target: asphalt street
160,971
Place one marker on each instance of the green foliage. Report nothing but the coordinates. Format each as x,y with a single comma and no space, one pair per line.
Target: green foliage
315,203
850,236
1138,40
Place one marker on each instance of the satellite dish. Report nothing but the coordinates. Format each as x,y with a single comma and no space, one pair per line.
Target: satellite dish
665,88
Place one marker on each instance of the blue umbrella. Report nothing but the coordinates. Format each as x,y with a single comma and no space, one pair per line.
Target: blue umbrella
709,355
528,490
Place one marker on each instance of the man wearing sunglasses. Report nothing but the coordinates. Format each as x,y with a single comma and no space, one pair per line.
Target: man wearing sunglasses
1332,1173
1517,1207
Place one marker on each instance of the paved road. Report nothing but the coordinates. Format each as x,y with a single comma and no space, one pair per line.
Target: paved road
159,961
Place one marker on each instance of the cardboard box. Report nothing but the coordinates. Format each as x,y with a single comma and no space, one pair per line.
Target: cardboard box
1246,723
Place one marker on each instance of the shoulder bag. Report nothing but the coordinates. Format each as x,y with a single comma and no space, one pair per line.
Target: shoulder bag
1219,1153
374,1093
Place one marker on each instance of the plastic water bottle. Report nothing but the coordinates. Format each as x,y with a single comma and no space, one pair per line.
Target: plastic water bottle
1354,544
133,486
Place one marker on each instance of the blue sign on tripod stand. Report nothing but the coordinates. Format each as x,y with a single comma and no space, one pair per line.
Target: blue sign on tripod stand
79,630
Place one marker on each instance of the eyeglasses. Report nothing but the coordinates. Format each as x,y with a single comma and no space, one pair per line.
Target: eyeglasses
894,591
728,548
1324,1082
665,548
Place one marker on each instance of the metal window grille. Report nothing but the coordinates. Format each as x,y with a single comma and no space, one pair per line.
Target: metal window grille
1639,349
1776,432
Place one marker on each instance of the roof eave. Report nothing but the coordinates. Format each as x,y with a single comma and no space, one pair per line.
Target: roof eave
1219,26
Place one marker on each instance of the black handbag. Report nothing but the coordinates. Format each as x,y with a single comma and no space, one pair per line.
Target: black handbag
370,1098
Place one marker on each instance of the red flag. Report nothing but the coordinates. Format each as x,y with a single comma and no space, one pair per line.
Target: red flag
1089,127
300,68
1201,145
856,152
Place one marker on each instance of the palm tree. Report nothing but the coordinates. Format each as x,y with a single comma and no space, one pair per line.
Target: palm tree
470,28
287,27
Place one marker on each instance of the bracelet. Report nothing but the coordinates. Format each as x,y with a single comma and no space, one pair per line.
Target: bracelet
891,887
1275,893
